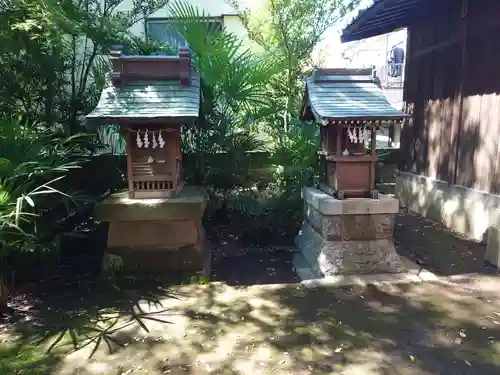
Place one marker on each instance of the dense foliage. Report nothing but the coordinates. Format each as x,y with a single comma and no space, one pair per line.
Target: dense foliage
52,65
289,31
249,148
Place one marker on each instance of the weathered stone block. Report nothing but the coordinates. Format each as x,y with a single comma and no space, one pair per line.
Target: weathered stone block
350,227
173,256
367,227
358,227
330,227
347,257
187,258
348,236
328,205
189,204
154,235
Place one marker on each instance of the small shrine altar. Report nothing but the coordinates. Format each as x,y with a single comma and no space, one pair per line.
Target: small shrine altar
155,224
348,225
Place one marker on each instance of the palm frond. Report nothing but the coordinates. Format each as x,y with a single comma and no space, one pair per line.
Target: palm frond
237,78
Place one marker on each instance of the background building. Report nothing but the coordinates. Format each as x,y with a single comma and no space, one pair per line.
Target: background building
158,25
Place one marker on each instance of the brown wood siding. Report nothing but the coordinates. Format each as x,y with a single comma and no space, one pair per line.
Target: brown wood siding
452,91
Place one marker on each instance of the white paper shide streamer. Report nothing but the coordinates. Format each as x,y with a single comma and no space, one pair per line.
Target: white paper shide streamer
154,140
356,134
351,134
146,139
138,140
161,141
155,144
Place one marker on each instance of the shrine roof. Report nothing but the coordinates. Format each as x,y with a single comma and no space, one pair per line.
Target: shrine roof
339,94
148,99
154,88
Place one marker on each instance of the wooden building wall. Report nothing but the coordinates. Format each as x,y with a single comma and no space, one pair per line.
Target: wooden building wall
452,92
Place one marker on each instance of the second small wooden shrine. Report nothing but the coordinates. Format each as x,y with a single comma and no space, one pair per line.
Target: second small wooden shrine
350,108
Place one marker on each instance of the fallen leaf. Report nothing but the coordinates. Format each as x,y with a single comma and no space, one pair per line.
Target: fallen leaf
412,358
468,363
458,341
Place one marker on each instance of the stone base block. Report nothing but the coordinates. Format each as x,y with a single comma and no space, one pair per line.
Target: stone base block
145,254
155,235
353,236
351,227
328,258
189,204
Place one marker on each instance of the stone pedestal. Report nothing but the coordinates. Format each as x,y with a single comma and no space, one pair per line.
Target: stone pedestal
352,236
155,235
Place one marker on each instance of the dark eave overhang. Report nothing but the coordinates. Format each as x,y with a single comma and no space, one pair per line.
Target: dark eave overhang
385,16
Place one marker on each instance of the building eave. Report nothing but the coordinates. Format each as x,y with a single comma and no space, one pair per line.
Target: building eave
386,16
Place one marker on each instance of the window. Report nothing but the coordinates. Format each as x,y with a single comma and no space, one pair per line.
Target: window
163,30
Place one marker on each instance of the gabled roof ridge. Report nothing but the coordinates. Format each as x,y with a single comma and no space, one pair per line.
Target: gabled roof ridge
345,95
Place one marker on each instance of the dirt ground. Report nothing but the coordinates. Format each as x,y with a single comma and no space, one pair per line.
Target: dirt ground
438,249
256,319
418,329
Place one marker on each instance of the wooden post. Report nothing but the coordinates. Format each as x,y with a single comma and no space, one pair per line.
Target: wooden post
463,45
338,140
373,147
128,152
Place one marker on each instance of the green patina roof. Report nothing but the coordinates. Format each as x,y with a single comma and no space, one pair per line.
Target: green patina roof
348,94
148,99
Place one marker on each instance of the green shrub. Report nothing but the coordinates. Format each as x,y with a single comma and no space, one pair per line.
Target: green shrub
34,160
273,215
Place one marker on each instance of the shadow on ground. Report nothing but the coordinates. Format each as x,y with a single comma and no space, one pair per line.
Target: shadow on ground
145,325
286,329
256,267
101,315
439,249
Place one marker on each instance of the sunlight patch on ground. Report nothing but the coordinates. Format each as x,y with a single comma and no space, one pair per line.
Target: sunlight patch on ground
217,329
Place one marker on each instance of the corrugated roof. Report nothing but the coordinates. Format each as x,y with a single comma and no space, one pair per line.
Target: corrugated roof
348,94
148,99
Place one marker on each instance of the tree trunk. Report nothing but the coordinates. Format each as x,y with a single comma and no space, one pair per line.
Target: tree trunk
4,293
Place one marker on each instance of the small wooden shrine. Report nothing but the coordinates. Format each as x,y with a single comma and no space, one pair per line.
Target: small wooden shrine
342,236
151,97
350,108
155,225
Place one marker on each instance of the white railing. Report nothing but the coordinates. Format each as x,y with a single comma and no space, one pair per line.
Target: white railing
391,75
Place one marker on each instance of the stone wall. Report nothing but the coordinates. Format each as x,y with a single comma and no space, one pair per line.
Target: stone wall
472,213
469,212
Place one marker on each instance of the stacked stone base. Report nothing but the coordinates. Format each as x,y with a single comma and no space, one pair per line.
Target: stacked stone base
158,235
353,236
